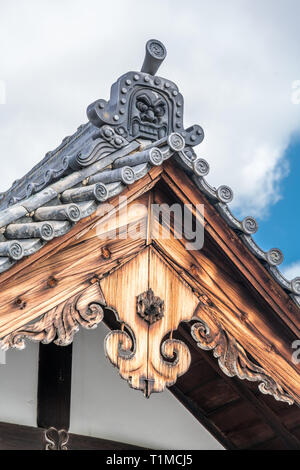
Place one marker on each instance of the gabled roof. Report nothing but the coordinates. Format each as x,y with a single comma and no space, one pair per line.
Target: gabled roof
135,144
108,154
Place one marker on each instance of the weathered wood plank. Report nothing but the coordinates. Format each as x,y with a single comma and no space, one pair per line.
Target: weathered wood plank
236,310
234,248
248,396
131,193
145,364
18,437
201,416
52,280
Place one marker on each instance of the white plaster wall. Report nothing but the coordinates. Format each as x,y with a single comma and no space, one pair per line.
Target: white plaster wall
103,405
18,386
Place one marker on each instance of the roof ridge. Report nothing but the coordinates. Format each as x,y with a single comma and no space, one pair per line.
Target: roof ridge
140,126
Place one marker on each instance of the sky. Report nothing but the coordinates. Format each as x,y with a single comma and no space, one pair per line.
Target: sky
235,62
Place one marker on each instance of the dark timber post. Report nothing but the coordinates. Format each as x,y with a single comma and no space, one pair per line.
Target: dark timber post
54,386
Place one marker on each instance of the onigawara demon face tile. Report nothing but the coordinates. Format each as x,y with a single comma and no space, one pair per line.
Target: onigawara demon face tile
149,116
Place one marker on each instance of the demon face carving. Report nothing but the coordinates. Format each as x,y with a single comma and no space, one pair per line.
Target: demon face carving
149,115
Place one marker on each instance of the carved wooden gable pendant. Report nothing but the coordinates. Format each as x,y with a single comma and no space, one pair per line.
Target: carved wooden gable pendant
150,301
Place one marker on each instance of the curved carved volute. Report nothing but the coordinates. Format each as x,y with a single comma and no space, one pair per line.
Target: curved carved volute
61,322
150,310
232,357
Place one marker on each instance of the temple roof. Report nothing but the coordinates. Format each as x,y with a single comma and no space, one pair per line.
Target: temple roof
104,156
228,297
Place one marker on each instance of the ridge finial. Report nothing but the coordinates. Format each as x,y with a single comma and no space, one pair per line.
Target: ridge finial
155,55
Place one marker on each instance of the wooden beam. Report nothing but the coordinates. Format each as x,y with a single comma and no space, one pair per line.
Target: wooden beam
54,386
52,280
241,314
234,248
201,416
77,442
18,437
244,392
131,192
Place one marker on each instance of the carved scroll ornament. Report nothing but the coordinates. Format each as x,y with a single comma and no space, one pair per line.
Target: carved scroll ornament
61,322
56,439
144,351
232,357
151,374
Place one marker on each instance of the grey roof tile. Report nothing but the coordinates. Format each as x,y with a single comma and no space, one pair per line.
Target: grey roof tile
5,263
69,212
139,127
13,213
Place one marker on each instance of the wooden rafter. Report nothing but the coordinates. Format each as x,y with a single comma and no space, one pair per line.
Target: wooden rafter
81,260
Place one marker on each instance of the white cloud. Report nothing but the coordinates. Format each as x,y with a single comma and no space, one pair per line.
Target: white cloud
2,92
292,271
234,61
